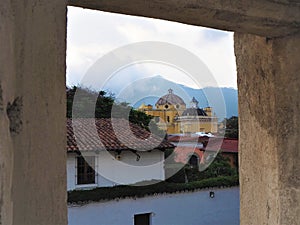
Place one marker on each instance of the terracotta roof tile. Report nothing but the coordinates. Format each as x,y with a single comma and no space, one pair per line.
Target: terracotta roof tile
227,145
89,134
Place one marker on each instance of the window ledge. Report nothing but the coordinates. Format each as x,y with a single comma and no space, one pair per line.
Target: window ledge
85,186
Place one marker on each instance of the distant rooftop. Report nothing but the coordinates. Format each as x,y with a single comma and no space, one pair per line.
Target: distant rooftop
228,145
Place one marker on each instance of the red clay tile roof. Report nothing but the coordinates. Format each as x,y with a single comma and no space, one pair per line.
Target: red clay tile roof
89,134
227,145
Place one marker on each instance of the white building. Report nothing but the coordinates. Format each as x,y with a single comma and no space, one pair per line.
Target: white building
108,152
192,208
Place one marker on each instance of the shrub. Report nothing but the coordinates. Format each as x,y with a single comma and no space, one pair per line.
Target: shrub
122,191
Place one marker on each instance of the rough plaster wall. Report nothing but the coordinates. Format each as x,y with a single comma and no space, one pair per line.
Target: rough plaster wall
269,82
32,112
270,18
287,58
7,72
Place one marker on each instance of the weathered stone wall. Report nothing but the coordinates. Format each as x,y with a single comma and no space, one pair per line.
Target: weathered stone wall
32,112
6,70
270,18
269,106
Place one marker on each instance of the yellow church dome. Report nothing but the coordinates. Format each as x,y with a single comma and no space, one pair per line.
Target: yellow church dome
170,99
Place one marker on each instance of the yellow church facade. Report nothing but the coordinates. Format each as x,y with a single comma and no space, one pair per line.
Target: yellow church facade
172,115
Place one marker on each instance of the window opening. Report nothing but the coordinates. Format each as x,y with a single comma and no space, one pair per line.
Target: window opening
142,219
85,171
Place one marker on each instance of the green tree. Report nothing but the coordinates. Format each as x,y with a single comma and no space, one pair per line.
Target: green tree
103,105
88,99
232,127
219,167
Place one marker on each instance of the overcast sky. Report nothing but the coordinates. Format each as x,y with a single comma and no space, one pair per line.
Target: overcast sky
92,34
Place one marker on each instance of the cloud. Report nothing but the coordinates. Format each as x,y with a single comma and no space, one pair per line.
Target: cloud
92,34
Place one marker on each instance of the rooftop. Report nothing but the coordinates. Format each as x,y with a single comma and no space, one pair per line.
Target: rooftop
90,134
229,145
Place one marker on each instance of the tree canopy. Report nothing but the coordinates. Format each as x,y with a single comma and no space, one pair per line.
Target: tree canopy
103,105
232,127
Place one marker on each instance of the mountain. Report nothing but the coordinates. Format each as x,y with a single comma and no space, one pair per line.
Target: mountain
223,100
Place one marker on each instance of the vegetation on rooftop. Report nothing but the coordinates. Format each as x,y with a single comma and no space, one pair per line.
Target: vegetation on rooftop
123,191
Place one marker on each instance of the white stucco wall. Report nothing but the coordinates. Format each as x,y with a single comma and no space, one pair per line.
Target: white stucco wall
71,182
194,208
127,170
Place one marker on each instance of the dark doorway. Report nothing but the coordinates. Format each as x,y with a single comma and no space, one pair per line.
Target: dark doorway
142,219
